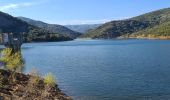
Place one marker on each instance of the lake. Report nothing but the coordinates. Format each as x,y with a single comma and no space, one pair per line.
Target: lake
105,69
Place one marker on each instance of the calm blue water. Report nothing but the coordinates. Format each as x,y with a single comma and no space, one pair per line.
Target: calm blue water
105,69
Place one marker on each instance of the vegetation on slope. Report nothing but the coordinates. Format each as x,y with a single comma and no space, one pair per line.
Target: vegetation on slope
53,28
40,35
31,33
116,29
155,17
10,24
161,31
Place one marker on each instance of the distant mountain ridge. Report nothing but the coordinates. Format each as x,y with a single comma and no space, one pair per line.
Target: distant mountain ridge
133,25
116,28
10,24
153,24
30,33
82,28
155,17
54,28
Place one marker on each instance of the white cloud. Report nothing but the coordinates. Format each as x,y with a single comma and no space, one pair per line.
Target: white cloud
14,6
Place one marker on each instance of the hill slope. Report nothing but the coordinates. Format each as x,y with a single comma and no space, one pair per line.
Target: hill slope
161,31
27,87
118,28
51,27
82,28
31,33
11,24
155,17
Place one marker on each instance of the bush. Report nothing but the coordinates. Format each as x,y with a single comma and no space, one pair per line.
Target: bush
6,55
49,79
12,61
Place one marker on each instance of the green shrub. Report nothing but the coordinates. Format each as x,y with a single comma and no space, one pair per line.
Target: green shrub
12,61
6,55
49,79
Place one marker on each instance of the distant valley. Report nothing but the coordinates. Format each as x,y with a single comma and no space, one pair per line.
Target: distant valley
84,28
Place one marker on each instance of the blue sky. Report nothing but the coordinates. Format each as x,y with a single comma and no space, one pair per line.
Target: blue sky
80,11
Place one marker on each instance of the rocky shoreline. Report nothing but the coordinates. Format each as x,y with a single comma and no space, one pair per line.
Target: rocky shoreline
145,37
27,87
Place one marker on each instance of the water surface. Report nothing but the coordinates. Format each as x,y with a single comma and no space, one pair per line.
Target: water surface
105,69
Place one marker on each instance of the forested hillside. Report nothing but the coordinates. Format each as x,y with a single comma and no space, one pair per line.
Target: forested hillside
154,22
53,28
10,24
